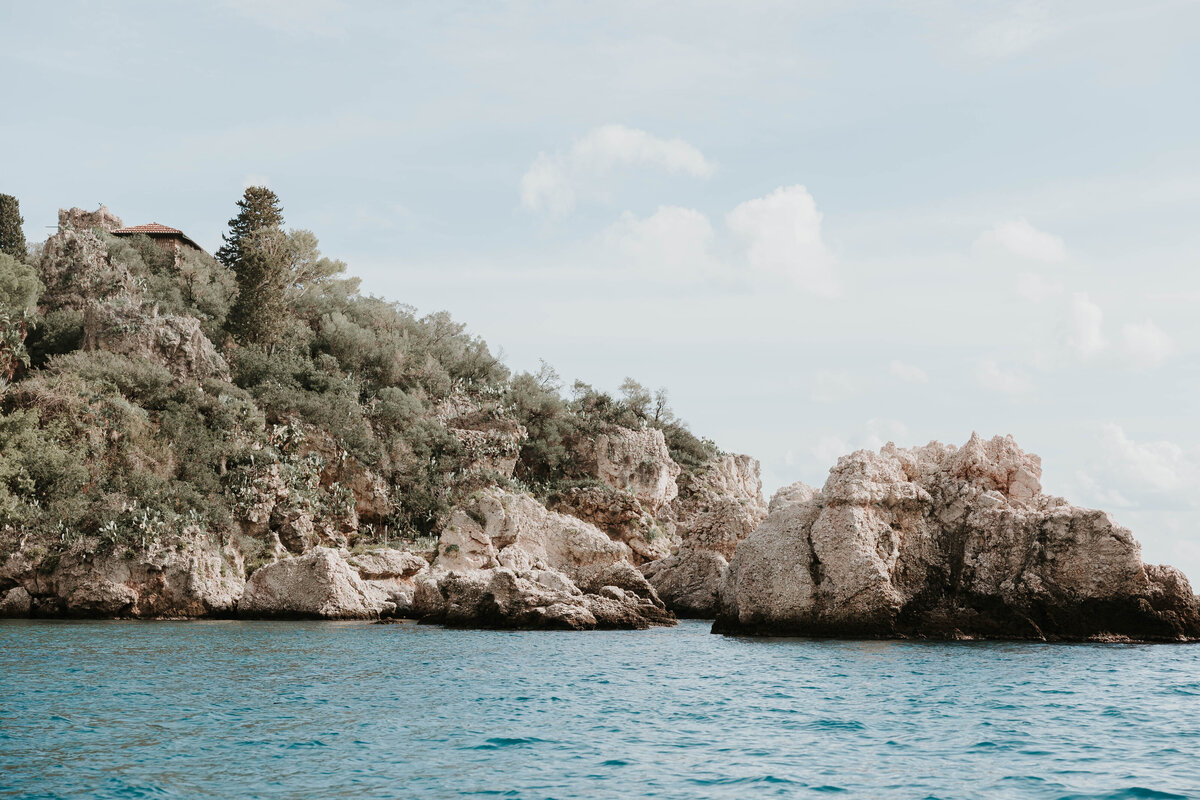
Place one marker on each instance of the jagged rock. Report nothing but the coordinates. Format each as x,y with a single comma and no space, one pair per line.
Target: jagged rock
689,581
620,515
635,461
500,528
502,597
15,603
718,506
795,494
174,342
81,220
948,542
295,528
372,499
186,576
505,561
317,585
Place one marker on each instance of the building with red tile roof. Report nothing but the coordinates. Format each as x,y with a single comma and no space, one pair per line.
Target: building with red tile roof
165,237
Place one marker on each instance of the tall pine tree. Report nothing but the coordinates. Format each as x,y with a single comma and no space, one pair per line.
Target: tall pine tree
12,237
252,250
257,210
260,313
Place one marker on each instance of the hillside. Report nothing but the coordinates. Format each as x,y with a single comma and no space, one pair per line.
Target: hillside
154,462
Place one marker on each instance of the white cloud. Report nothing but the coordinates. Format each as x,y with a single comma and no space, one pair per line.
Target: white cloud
553,182
1154,474
874,434
1036,288
993,377
673,241
827,451
1019,237
1085,335
1145,344
782,233
830,386
908,373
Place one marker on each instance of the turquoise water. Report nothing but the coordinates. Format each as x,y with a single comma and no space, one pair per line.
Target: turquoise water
351,710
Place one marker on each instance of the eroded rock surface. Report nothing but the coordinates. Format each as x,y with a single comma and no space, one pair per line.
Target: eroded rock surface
188,576
620,515
317,585
718,506
948,542
174,342
504,560
634,461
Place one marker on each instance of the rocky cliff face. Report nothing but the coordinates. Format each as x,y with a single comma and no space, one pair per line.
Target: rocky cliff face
634,461
193,575
718,507
505,561
947,542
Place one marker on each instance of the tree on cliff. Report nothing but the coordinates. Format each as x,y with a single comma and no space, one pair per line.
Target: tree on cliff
19,291
257,210
256,250
12,237
259,314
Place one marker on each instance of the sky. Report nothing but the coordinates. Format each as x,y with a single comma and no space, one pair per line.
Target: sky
821,226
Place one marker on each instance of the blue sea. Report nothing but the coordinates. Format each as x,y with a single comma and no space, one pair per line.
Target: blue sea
354,710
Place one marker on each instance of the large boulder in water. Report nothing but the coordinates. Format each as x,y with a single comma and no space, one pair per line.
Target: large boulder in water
317,585
948,542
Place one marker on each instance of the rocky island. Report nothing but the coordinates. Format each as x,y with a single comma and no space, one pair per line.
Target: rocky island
948,542
249,436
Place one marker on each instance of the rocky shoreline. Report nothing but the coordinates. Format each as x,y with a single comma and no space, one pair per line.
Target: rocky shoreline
933,543
193,477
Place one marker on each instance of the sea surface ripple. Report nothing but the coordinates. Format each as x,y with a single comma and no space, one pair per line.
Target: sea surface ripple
353,710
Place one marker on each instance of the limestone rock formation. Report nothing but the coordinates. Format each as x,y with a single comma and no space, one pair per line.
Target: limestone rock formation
317,585
174,342
499,528
503,560
82,220
718,506
948,542
619,514
793,494
16,602
635,461
392,572
189,576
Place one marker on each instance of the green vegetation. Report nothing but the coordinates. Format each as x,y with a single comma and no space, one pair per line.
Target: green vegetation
19,292
12,236
325,387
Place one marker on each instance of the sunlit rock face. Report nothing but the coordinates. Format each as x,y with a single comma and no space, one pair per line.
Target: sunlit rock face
504,561
718,506
948,542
